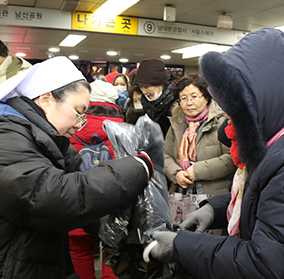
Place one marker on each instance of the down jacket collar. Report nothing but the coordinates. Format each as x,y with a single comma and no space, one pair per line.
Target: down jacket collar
45,135
247,82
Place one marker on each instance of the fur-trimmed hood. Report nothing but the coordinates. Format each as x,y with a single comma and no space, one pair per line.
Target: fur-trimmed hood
247,82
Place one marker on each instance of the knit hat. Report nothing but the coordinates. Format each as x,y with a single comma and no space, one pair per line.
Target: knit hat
151,72
110,77
103,92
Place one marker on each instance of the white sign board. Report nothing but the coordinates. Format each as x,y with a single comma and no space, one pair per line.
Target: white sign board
26,16
190,32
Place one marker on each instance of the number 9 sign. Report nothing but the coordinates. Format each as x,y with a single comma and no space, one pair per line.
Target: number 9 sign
149,27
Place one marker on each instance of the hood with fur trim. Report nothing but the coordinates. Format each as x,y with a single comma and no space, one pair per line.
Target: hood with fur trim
247,82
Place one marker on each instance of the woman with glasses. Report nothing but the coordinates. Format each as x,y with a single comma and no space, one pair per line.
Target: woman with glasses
195,161
42,193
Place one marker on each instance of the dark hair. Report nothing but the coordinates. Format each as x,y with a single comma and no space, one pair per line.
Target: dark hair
3,50
126,79
193,78
131,90
61,93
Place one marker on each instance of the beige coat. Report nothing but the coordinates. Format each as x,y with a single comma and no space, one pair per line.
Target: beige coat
214,166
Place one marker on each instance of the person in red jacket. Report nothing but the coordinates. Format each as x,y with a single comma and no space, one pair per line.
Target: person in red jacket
101,107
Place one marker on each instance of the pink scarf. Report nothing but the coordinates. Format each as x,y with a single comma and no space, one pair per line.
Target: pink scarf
187,148
239,180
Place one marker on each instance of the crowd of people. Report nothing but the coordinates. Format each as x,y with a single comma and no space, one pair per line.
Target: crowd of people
222,129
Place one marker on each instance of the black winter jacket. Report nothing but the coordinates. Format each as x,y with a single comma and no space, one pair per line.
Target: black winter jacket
42,196
248,83
160,109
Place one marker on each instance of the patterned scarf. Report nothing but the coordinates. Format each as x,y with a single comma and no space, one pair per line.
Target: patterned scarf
239,180
187,148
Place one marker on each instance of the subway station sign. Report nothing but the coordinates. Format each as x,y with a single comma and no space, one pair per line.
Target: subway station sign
28,16
119,25
190,32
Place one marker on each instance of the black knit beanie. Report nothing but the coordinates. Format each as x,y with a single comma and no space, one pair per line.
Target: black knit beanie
151,72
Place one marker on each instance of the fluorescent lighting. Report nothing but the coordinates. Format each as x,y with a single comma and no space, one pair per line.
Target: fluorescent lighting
199,50
111,53
192,48
73,57
112,8
123,60
280,28
54,49
72,40
165,57
20,54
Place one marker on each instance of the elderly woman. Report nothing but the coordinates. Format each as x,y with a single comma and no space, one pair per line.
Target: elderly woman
42,195
192,151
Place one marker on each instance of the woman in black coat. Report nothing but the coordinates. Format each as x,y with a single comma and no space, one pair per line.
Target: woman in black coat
247,82
42,193
157,99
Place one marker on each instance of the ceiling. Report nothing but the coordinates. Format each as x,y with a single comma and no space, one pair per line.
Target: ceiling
248,15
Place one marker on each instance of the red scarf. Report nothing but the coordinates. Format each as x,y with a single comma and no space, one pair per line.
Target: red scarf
187,148
239,180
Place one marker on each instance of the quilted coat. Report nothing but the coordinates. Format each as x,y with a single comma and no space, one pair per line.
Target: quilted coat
247,82
42,196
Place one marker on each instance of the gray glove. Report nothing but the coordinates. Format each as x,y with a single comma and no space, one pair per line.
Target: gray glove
199,220
164,250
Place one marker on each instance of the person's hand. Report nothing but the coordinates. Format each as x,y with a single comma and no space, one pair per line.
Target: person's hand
164,250
199,220
190,172
182,179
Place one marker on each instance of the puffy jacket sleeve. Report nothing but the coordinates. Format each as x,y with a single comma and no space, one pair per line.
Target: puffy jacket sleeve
171,167
261,256
35,193
216,167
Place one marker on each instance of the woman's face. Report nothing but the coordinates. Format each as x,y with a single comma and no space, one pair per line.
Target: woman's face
60,114
137,101
150,91
192,100
120,81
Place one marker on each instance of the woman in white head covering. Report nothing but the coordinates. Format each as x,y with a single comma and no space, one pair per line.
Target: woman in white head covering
42,195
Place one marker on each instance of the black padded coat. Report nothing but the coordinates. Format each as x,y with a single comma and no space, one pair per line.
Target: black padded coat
42,197
247,82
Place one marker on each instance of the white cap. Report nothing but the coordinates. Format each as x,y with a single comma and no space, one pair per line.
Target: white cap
41,78
103,92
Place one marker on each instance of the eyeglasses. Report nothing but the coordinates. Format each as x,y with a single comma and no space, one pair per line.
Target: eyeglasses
81,118
192,98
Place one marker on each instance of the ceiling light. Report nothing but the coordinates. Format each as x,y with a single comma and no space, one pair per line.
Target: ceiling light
112,8
111,53
20,54
123,60
280,28
54,49
72,40
73,57
199,50
165,57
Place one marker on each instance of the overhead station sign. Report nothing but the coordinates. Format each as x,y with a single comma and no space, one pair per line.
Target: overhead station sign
119,25
28,16
190,32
